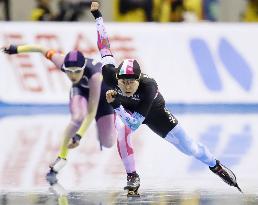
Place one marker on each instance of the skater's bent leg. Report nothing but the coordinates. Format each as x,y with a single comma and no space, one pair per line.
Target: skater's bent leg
124,145
78,109
187,145
106,130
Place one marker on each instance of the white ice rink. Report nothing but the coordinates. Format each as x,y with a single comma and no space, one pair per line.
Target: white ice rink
30,143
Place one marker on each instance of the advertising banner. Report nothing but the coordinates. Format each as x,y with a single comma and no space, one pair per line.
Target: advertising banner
192,63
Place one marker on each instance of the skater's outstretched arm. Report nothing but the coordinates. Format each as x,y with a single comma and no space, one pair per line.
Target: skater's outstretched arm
108,69
28,48
103,42
56,57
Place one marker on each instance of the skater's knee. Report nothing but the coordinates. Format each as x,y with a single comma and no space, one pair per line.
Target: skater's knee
107,144
77,119
107,141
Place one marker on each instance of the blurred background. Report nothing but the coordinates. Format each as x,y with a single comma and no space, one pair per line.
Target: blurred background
132,10
202,53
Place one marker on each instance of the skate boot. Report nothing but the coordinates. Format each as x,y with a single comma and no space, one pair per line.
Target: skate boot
55,167
133,184
225,174
51,177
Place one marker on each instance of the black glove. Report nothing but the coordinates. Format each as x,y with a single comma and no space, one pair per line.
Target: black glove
96,14
76,138
11,50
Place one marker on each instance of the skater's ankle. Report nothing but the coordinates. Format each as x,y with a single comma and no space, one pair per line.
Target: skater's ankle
61,157
52,170
215,166
132,173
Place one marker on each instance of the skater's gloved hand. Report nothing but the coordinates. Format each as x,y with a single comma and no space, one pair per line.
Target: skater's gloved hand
12,49
112,98
95,9
75,141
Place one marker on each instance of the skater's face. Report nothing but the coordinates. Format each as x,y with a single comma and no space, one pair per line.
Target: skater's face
74,74
128,86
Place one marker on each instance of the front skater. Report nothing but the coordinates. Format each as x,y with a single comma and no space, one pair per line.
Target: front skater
136,100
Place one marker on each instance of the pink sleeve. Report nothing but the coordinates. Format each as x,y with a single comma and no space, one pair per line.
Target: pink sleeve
103,42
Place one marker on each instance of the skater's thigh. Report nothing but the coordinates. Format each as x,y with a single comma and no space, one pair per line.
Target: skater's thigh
106,130
78,104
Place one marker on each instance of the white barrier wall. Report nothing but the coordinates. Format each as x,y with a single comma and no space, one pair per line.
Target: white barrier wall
196,63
